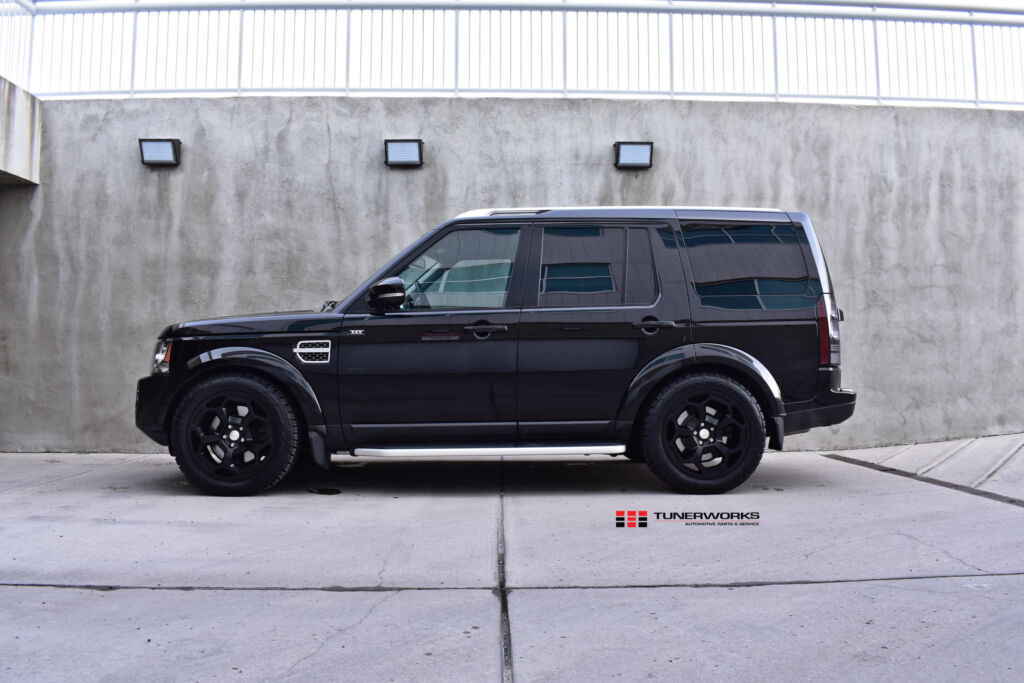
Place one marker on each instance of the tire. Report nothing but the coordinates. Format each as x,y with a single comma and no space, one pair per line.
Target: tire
234,435
704,434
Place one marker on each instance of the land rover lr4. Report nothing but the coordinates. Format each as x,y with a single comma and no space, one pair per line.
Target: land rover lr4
685,338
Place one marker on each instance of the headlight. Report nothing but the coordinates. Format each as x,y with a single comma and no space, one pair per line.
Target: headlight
162,358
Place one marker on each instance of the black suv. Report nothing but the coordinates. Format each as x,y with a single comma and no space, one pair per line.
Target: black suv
686,338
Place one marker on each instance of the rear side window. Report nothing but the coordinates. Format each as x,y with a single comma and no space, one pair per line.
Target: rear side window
596,266
759,266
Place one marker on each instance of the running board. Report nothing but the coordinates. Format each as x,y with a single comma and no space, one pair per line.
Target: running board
594,449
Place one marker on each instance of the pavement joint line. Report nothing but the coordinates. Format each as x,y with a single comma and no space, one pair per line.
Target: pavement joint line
998,466
44,483
947,457
502,588
102,588
927,480
895,453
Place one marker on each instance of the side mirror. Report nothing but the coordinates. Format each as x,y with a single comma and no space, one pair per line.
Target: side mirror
387,294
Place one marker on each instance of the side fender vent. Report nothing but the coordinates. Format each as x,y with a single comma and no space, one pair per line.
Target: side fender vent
313,351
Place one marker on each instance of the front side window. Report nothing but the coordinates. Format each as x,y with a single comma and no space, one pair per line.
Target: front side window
469,268
591,265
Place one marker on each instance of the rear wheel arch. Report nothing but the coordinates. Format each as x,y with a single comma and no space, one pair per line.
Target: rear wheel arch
700,359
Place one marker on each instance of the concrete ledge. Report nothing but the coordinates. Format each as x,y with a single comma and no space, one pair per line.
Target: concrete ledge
20,135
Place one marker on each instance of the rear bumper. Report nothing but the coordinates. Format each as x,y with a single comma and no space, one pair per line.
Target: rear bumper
150,396
832,405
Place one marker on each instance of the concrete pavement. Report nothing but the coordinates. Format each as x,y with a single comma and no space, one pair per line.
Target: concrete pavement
113,568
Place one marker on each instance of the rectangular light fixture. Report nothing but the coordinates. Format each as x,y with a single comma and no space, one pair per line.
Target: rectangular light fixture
403,152
634,154
160,152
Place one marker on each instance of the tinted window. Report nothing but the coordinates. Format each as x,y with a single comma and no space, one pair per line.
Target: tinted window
465,269
750,266
595,266
641,287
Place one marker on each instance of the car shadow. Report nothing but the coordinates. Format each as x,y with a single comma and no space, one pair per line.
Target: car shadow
519,477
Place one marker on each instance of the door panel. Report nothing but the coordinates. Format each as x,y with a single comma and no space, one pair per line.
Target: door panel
443,367
577,360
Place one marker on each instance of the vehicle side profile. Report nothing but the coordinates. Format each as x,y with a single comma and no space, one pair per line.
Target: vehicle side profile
690,339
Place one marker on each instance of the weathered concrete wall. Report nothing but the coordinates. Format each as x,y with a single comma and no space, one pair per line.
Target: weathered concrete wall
20,135
280,203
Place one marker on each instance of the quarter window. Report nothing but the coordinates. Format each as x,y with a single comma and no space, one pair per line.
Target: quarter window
750,266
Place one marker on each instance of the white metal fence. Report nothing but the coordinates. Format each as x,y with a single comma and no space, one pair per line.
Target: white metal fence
852,51
15,40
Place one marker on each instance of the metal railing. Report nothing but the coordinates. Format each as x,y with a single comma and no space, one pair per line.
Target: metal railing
15,40
881,52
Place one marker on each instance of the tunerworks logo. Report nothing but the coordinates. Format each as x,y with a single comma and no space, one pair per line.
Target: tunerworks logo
631,518
639,518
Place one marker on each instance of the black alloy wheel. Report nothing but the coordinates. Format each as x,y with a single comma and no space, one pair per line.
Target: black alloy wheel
704,433
235,434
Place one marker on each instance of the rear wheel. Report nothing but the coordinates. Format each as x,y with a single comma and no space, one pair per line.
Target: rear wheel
234,434
704,434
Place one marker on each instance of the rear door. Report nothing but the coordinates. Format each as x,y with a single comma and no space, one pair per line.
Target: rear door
753,290
589,291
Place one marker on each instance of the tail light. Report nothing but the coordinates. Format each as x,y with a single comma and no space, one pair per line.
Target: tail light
828,330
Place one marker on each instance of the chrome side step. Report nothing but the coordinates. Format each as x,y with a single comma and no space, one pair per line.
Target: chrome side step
592,449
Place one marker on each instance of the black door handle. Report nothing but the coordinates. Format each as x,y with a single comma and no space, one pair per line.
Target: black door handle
485,329
649,324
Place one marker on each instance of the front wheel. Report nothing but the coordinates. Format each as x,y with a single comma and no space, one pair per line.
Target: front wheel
704,434
234,435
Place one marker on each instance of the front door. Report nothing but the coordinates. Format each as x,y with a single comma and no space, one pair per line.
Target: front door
442,368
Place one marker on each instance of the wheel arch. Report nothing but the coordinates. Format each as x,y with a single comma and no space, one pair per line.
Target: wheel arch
705,357
268,366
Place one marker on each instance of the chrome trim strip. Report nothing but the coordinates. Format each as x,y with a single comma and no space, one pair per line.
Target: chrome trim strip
602,449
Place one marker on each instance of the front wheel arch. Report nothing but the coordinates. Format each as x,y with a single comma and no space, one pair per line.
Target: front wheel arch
213,369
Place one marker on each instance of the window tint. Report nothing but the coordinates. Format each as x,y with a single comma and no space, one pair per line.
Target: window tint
750,266
591,265
465,269
641,287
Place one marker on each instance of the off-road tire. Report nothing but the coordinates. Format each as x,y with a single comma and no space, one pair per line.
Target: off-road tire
235,434
704,433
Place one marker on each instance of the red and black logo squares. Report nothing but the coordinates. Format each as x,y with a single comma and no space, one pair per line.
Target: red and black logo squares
631,518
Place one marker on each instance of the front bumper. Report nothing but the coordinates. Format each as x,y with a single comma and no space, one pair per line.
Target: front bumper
832,405
150,401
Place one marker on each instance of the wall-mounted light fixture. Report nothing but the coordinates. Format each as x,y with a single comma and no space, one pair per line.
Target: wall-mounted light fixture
634,154
408,153
160,152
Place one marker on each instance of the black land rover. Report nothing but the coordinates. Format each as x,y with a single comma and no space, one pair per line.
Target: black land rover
686,338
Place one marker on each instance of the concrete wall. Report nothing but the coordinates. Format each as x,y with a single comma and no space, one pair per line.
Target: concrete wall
283,202
20,135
